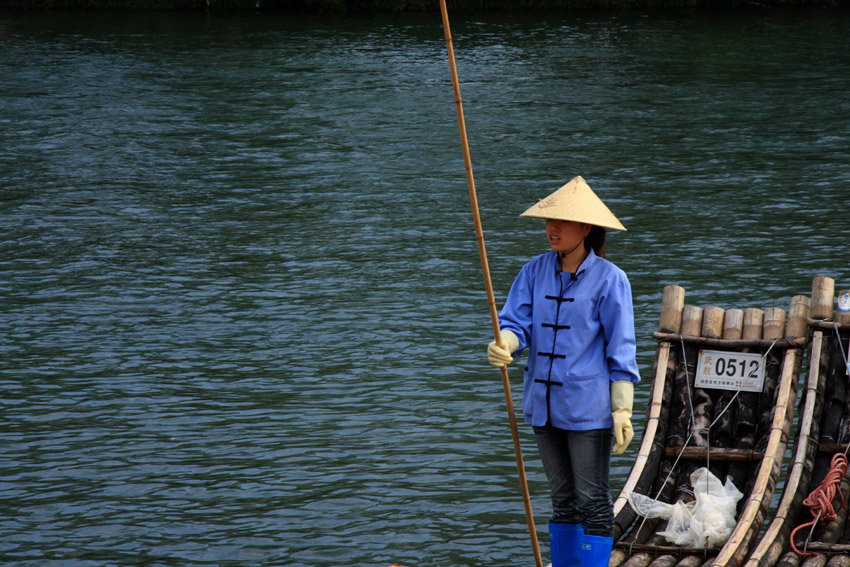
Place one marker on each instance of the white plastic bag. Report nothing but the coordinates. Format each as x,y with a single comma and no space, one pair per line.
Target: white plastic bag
705,523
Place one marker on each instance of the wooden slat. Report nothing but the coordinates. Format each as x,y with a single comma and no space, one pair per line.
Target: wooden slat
715,454
796,342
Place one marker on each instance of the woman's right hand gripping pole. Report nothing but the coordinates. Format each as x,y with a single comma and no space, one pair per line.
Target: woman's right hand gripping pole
501,356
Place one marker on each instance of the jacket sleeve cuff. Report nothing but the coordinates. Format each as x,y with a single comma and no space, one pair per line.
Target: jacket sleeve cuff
621,376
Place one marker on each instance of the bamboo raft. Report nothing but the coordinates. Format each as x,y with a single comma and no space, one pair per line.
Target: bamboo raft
742,436
823,434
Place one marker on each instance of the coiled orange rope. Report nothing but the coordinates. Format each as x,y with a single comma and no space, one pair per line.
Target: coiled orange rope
820,499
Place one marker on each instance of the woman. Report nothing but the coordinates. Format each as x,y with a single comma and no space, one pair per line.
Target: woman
572,310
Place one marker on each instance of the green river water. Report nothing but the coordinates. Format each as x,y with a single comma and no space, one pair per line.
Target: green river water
242,319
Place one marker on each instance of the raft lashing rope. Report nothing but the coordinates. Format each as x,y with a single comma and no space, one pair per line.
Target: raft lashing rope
819,501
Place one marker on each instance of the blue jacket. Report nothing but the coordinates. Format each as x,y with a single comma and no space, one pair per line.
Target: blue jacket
580,334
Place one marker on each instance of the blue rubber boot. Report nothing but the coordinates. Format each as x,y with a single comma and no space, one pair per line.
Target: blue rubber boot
564,543
595,551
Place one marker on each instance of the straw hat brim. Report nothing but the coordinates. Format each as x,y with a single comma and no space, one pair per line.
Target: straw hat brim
577,202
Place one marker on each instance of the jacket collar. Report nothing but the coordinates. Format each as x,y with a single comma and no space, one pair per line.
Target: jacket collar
586,264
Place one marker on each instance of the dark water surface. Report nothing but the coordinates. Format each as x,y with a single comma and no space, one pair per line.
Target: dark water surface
241,310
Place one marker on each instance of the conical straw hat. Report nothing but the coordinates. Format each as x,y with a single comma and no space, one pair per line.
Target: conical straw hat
575,201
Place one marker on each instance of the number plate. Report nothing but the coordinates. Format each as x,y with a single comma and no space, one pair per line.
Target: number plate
730,371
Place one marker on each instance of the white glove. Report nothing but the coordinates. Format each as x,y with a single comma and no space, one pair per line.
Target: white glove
622,396
501,356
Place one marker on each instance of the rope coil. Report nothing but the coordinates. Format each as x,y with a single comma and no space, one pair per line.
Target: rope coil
819,501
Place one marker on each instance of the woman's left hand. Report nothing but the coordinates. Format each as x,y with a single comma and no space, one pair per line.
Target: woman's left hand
622,397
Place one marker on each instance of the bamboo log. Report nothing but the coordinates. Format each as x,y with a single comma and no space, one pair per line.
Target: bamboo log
618,557
826,533
663,491
648,554
704,399
834,532
644,532
733,324
651,450
737,344
756,506
774,541
843,325
828,547
667,560
836,399
652,444
744,430
712,322
722,432
691,320
823,298
680,407
798,317
818,560
774,329
753,324
843,374
640,559
691,561
839,561
774,323
845,537
667,478
656,470
703,403
672,303
836,394
790,559
654,541
645,529
680,479
829,532
842,311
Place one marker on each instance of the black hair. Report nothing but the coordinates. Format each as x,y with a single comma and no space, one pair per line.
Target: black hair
596,239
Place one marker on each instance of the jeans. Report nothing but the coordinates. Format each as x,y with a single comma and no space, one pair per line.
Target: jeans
577,465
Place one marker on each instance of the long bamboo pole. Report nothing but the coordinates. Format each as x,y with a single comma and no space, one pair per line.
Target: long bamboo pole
494,316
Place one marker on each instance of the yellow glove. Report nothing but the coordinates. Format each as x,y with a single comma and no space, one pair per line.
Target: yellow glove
499,357
622,396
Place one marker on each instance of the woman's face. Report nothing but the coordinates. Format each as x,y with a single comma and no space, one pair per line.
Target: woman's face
565,236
